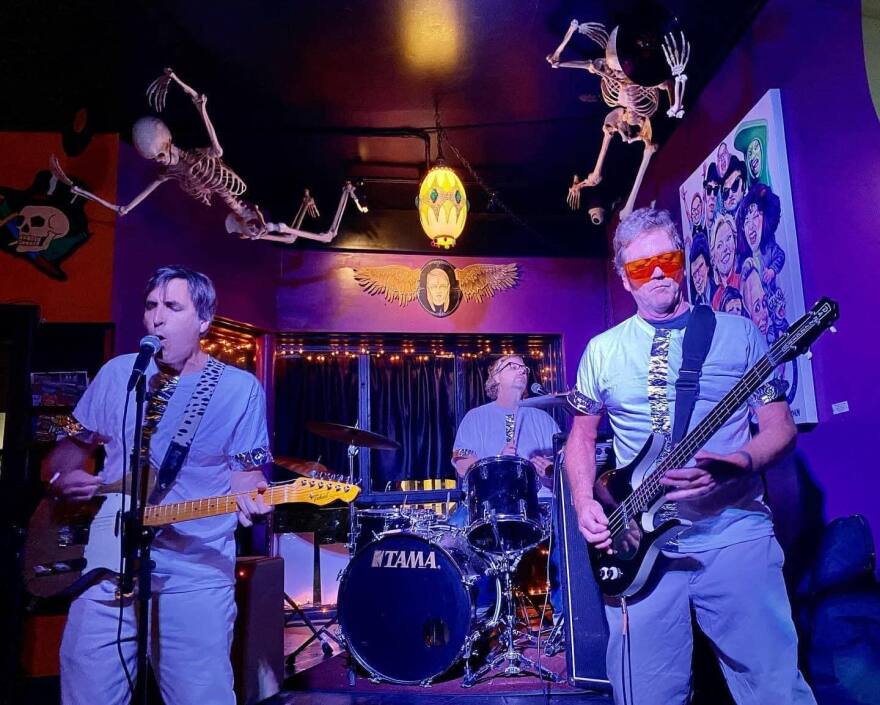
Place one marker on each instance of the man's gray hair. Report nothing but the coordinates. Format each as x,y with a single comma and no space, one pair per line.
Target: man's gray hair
201,289
637,224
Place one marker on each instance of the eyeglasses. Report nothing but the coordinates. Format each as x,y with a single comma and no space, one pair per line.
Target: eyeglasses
640,271
516,367
711,189
735,186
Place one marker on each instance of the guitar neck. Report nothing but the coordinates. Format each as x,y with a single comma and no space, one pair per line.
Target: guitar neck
650,490
158,515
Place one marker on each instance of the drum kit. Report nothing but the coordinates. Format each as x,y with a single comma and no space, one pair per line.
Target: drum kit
420,595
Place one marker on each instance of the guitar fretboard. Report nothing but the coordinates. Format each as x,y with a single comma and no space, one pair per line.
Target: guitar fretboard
304,490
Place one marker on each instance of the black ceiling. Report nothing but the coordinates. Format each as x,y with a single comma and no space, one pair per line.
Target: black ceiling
308,94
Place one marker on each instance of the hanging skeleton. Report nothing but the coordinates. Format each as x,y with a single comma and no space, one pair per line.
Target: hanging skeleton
202,174
633,104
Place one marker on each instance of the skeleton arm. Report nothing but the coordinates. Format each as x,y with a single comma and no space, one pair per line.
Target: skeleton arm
594,30
121,210
158,92
677,57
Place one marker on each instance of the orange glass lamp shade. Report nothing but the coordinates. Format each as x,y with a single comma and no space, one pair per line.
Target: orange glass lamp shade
442,205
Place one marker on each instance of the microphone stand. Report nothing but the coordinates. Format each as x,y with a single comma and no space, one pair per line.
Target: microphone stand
136,539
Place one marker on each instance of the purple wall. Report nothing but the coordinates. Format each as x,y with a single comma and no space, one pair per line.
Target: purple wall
813,53
172,228
560,296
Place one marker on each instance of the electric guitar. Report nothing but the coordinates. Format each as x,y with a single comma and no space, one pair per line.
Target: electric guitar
72,545
631,496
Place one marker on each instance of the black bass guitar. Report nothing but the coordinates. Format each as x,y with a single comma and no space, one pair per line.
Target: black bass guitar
72,545
631,496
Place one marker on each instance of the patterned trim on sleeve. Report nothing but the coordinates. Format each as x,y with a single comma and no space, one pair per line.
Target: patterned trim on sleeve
461,453
772,390
251,459
68,426
583,404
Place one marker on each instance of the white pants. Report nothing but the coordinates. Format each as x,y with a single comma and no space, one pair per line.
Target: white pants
739,598
190,639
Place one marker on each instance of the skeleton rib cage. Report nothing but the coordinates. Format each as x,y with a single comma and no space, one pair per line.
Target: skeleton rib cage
200,175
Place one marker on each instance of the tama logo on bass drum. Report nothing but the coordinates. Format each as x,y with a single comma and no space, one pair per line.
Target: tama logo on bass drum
404,559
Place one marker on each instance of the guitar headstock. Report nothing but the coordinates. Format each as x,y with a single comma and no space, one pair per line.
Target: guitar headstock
804,332
320,491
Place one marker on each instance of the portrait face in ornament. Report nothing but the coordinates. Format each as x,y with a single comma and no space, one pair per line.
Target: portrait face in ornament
754,158
439,293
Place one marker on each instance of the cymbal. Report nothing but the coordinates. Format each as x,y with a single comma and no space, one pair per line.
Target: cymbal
351,436
300,466
557,400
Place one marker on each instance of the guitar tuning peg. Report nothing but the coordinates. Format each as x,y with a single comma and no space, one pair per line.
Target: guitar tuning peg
833,329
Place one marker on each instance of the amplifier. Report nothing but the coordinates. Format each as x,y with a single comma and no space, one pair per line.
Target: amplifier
585,625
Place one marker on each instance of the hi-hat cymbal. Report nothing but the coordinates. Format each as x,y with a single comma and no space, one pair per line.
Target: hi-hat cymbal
351,436
557,400
306,468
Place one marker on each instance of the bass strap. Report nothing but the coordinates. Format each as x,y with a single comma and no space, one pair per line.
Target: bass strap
694,348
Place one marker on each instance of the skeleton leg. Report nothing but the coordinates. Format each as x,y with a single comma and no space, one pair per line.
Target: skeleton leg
650,148
289,235
77,191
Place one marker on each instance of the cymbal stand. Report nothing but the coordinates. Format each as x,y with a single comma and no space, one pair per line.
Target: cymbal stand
352,513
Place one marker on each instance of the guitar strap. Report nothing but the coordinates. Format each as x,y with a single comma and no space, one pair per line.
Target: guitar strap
179,447
694,348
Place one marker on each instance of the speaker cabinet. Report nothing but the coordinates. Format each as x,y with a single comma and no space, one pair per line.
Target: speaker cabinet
585,625
258,638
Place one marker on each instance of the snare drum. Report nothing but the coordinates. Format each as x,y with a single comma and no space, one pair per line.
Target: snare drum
502,496
370,524
410,606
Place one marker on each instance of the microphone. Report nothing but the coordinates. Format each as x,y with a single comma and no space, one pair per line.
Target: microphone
536,388
150,345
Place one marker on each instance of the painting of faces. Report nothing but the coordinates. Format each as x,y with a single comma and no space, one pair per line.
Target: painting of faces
740,239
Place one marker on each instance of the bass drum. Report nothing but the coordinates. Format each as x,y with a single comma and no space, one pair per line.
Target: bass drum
409,604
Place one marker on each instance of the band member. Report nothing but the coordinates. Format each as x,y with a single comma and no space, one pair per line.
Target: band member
503,427
193,609
727,568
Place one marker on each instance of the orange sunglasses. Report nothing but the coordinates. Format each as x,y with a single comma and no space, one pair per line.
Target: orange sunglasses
640,271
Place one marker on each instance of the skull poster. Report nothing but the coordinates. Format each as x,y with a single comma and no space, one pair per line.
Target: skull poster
740,239
41,224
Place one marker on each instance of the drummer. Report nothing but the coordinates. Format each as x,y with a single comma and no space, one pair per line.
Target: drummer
503,427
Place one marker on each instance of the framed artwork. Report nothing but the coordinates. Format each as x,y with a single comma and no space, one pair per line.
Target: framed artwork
740,238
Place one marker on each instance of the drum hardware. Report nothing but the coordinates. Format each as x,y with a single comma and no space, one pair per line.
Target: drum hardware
506,659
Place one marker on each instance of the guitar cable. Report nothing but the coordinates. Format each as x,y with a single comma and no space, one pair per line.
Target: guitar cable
626,655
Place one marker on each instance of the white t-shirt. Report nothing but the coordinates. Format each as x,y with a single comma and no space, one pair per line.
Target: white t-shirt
232,435
613,377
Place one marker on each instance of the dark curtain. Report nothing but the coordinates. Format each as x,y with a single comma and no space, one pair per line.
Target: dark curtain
314,390
412,400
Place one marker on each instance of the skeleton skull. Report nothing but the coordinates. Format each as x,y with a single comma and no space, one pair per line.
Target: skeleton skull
40,225
152,139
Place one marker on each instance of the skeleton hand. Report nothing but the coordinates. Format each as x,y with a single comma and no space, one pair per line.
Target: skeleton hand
595,31
677,57
157,91
311,206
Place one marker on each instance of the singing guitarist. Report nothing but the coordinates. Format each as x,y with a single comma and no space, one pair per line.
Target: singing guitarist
727,567
193,606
